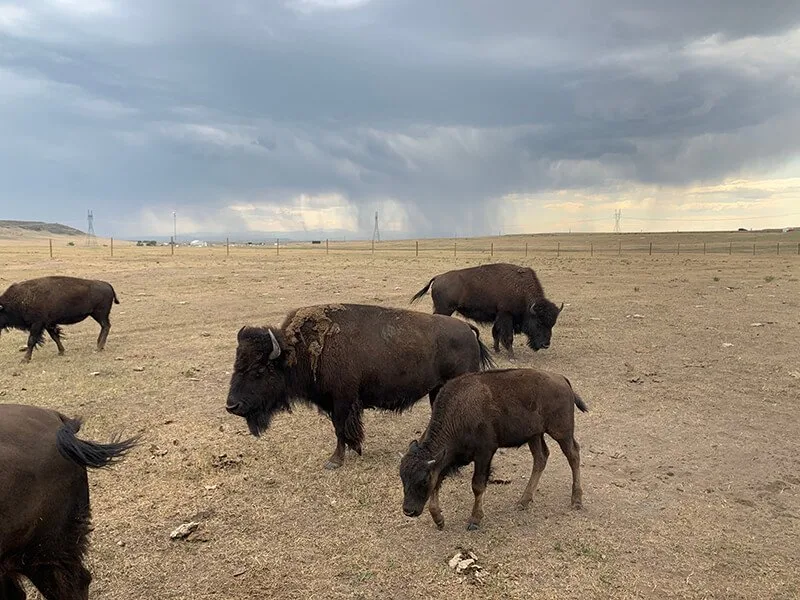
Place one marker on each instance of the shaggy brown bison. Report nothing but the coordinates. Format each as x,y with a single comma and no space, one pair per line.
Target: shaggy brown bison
44,501
508,295
344,358
46,303
476,414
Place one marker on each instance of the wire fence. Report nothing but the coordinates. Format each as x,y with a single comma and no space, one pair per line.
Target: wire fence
460,247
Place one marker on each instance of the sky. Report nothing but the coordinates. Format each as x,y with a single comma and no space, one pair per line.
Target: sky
447,117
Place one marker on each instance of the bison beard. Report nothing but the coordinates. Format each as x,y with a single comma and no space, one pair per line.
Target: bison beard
260,419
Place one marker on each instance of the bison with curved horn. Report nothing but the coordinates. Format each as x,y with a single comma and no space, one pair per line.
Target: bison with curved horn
344,358
44,501
508,295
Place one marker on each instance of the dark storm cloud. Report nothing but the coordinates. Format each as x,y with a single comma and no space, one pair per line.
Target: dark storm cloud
124,105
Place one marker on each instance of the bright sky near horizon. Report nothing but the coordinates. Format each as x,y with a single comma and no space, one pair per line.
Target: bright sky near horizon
450,117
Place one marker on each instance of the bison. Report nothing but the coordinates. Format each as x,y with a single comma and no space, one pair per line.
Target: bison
508,295
344,358
44,501
46,303
477,413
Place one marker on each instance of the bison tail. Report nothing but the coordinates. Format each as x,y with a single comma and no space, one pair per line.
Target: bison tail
90,454
486,357
578,400
422,292
116,300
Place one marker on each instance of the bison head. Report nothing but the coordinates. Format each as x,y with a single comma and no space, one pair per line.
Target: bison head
258,385
539,322
418,470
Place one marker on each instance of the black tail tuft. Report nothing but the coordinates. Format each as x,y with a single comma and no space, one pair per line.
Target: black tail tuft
578,400
116,300
487,362
90,454
422,292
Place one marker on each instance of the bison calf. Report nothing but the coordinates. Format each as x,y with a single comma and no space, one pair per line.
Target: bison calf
476,414
46,303
44,501
343,358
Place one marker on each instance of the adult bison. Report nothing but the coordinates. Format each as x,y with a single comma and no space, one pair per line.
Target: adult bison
508,295
344,358
44,501
46,303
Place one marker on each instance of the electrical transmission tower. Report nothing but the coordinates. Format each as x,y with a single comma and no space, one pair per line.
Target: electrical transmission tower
617,217
91,238
376,233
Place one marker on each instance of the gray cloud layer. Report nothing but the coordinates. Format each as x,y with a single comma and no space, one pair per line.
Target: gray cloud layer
125,105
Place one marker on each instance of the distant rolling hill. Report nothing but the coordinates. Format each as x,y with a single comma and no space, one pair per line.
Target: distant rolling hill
40,227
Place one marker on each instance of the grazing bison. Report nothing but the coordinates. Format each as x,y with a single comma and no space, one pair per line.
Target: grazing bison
44,501
344,358
43,304
476,414
508,295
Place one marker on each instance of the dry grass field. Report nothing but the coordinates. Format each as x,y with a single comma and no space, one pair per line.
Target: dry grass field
691,471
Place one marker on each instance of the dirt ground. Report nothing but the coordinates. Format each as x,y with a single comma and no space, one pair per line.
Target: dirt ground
689,363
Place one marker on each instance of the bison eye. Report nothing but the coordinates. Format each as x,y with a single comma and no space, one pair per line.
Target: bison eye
261,370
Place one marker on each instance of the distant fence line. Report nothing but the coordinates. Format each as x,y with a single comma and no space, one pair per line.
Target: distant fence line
456,247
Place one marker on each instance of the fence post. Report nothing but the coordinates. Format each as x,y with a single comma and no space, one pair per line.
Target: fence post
651,249
704,247
730,248
526,249
171,246
112,247
558,248
619,249
591,249
679,247
327,250
754,248
227,246
51,248
416,248
373,246
454,249
491,249
779,248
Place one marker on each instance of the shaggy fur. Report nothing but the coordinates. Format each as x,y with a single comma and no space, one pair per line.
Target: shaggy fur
43,304
509,296
477,413
44,501
343,358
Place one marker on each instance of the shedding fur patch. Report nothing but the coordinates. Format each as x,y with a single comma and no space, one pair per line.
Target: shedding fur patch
311,325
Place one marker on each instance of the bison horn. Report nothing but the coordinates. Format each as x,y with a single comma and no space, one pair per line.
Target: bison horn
431,462
276,348
560,308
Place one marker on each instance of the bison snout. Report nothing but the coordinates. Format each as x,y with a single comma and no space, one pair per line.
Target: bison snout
411,512
546,345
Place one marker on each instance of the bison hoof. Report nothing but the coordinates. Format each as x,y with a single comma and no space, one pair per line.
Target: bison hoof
472,526
577,505
523,505
330,465
439,524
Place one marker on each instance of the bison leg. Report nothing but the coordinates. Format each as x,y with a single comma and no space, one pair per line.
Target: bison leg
540,454
349,432
480,478
571,449
57,582
34,338
433,393
503,333
433,504
10,589
54,333
105,327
